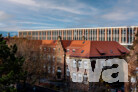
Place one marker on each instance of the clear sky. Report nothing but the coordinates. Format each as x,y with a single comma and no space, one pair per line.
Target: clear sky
51,14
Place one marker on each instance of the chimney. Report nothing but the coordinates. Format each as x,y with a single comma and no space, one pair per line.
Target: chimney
59,38
83,37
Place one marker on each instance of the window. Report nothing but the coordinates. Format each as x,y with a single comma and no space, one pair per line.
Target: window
39,33
53,70
58,72
74,77
67,60
40,48
74,63
44,49
44,56
79,77
86,34
54,49
80,64
20,33
24,33
95,34
59,59
49,57
109,62
53,58
68,73
75,35
34,58
80,34
44,66
49,49
48,69
85,64
44,33
58,69
109,34
102,64
85,79
29,33
64,36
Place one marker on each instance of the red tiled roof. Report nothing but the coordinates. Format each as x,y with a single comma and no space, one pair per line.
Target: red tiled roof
49,42
100,48
89,48
66,43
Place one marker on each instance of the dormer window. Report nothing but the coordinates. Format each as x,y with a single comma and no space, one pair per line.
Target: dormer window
73,50
67,50
102,52
122,51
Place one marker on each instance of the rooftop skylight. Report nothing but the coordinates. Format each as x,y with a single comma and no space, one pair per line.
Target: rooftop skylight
82,51
111,51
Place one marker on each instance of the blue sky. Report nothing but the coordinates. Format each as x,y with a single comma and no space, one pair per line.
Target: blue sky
52,14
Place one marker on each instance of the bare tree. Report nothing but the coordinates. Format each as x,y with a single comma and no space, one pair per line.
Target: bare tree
132,59
30,49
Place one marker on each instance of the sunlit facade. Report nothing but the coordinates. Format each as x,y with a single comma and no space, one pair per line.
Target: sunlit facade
123,35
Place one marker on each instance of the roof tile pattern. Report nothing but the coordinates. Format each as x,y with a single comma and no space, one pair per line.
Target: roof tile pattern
89,49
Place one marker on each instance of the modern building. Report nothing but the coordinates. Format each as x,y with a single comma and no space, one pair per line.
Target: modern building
124,35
